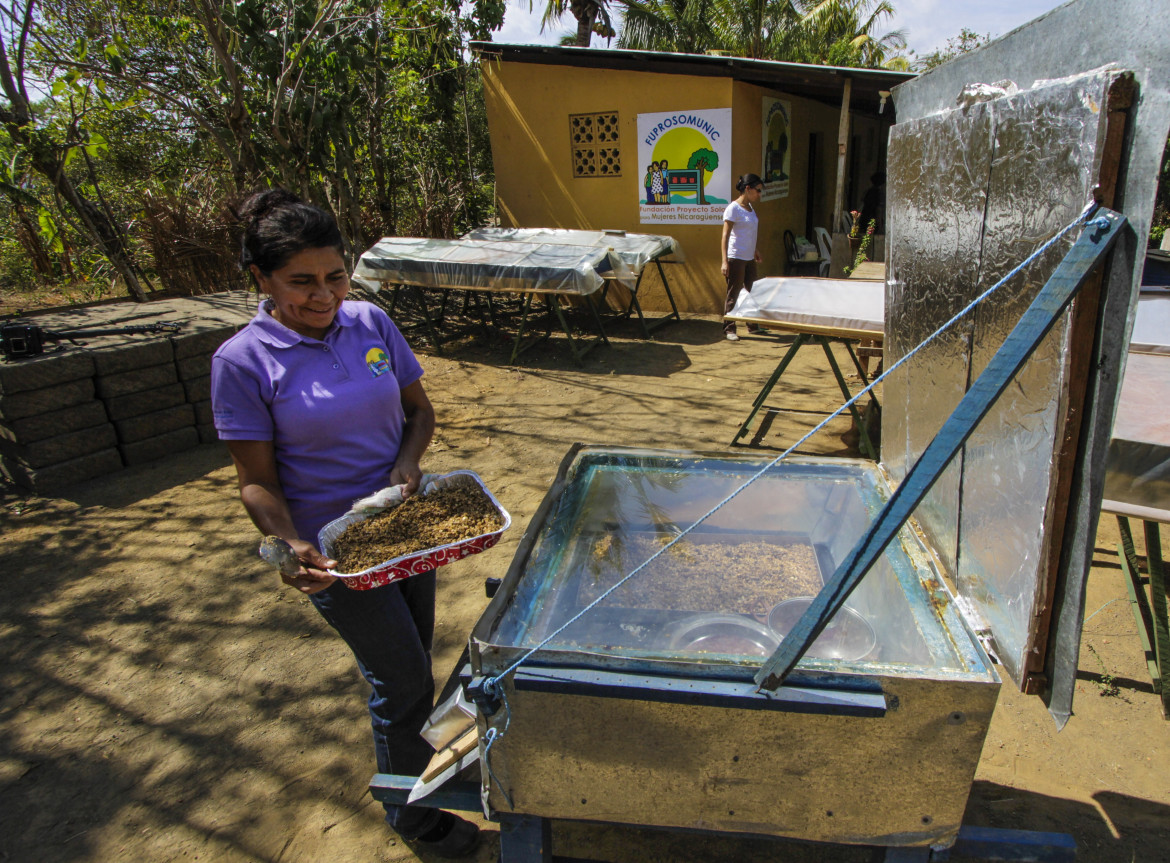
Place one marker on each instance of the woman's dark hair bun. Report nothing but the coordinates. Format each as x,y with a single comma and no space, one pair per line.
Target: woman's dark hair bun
262,203
746,180
277,224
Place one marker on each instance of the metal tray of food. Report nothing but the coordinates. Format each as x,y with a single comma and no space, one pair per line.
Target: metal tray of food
416,562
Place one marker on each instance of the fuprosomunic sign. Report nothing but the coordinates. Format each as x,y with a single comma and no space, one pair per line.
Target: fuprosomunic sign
684,167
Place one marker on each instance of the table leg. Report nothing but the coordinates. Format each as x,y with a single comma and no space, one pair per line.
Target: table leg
861,372
801,339
525,307
597,319
578,354
429,322
674,315
635,306
866,445
1137,598
1158,609
658,323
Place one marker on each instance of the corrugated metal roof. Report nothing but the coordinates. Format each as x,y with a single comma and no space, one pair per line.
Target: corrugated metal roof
822,83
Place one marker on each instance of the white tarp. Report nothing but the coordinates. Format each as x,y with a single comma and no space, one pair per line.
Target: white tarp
1151,324
854,305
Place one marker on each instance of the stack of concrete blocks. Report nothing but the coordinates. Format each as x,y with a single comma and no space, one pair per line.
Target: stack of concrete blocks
139,384
54,430
90,410
193,352
158,392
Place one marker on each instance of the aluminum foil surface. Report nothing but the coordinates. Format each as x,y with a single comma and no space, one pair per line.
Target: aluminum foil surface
973,192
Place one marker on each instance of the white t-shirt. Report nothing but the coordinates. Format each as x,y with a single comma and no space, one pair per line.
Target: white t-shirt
741,245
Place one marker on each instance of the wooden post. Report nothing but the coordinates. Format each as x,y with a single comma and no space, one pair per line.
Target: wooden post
842,148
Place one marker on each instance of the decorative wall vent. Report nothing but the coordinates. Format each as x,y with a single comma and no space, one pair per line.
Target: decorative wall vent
595,145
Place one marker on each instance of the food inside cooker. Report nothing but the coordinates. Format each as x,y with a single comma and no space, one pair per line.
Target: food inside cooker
731,575
443,517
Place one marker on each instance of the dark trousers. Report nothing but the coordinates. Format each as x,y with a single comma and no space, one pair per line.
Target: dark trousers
740,277
390,630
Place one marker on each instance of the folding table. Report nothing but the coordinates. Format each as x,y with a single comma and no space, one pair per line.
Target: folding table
1137,479
635,250
531,269
821,312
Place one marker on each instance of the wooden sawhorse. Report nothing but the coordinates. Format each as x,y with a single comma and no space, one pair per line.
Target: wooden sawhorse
1151,612
635,306
825,340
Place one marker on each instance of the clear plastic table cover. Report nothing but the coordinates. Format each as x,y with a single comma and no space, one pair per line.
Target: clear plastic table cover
713,596
636,250
855,305
487,265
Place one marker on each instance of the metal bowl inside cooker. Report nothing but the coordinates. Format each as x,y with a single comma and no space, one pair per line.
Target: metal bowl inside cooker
848,635
727,634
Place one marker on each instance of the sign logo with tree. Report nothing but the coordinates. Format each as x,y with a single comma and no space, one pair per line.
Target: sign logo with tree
684,171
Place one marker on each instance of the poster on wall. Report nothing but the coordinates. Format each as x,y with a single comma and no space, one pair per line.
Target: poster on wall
776,150
684,167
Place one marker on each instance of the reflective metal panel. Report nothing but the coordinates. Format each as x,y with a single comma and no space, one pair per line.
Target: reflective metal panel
974,191
1047,144
938,169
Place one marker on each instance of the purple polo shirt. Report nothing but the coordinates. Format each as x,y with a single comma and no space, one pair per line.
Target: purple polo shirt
332,407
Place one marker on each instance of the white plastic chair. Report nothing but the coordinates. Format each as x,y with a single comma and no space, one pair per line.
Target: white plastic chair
825,245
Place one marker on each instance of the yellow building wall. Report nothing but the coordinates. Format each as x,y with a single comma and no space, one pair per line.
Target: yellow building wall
528,108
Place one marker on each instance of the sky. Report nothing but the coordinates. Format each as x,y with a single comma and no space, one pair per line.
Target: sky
928,23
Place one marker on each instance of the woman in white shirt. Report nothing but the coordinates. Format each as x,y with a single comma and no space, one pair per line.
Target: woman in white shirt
740,226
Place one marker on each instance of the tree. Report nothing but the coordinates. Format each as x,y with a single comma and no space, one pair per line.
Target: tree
592,16
703,160
843,33
49,149
684,26
833,32
967,40
361,106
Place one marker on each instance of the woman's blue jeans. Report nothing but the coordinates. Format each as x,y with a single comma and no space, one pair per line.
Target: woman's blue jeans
390,630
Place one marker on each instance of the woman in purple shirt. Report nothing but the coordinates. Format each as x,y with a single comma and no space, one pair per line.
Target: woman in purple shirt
320,402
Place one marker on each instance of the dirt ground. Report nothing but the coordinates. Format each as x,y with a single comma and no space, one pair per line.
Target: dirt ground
163,698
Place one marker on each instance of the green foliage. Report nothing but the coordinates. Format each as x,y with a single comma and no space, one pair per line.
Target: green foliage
592,16
863,247
16,270
161,114
967,40
826,32
1161,218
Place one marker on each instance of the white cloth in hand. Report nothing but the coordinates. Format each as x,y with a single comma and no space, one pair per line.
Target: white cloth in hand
380,500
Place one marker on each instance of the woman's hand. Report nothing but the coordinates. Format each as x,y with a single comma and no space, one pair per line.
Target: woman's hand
406,473
265,502
759,257
724,269
312,577
420,425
